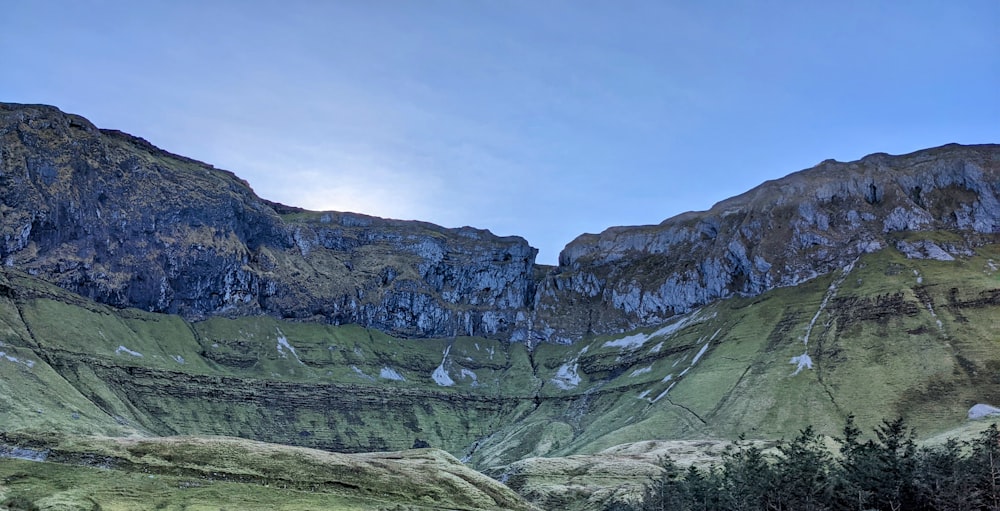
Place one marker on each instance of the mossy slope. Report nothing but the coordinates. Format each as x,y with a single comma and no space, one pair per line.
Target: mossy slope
885,336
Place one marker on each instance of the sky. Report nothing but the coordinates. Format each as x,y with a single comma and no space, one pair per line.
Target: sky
544,119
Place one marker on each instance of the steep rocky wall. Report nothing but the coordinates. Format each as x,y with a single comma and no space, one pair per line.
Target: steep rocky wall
781,233
113,218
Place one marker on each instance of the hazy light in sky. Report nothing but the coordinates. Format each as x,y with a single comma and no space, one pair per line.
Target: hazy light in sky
540,119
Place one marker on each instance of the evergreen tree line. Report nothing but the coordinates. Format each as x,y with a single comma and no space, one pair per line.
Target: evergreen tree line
888,472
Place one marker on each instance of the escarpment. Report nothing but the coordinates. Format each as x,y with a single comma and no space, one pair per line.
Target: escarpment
933,204
115,219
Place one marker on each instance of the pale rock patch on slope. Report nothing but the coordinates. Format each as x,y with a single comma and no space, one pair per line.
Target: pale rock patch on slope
123,349
924,249
11,358
670,377
635,341
640,371
362,374
629,342
469,374
440,374
803,361
700,353
981,411
696,358
23,453
284,345
664,393
388,373
567,376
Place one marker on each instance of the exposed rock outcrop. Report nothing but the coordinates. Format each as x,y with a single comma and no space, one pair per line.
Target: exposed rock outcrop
781,233
113,218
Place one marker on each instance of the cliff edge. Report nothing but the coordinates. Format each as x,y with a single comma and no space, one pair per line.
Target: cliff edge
113,218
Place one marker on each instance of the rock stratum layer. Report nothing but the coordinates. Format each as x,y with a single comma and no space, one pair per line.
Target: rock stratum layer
111,217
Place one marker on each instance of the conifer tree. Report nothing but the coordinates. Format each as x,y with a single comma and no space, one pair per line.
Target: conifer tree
857,466
669,491
804,472
748,478
985,467
896,461
702,489
943,478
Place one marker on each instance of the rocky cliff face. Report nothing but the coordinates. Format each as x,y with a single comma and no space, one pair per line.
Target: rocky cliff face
111,217
781,233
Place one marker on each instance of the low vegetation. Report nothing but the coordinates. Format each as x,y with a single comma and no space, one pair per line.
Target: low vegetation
58,472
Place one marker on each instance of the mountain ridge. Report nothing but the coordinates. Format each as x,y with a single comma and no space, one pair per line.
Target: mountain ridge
185,237
145,295
780,233
111,217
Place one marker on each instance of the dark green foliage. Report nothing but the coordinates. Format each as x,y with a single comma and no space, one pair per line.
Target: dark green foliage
748,477
18,503
879,474
885,473
804,473
701,489
985,468
947,479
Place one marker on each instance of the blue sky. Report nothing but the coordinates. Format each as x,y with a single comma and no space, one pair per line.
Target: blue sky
544,119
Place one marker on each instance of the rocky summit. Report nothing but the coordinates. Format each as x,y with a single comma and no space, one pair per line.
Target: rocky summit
160,319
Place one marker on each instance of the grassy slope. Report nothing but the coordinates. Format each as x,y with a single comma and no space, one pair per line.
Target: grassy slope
219,473
876,345
877,351
342,387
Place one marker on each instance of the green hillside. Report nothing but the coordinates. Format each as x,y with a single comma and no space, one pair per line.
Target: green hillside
197,473
887,336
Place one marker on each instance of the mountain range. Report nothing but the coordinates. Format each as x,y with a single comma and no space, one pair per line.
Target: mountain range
151,303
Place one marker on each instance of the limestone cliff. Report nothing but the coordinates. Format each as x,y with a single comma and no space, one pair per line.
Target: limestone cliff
113,218
781,233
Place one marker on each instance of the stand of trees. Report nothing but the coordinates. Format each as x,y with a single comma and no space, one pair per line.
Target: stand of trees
888,472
